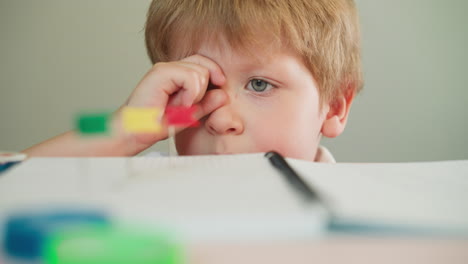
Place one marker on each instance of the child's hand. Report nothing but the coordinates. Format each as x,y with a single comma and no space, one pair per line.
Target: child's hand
183,82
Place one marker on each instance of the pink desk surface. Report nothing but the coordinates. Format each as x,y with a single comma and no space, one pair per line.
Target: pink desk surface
333,250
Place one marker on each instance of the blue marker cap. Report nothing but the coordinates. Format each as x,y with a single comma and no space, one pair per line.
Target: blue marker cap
25,233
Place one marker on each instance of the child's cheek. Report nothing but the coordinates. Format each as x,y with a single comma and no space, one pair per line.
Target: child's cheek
268,134
190,142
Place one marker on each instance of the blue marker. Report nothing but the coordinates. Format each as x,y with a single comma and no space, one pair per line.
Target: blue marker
25,233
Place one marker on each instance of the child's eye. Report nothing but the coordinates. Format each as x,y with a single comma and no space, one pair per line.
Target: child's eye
258,85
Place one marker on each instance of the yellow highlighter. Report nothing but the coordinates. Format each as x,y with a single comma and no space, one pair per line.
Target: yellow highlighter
141,120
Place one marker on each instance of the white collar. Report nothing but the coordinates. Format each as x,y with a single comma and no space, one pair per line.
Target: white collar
324,155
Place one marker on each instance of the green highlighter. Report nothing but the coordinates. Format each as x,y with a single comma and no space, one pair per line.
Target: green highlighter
112,245
93,123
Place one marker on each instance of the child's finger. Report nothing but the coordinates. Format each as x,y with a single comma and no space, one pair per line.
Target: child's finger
213,100
170,78
207,70
195,96
216,73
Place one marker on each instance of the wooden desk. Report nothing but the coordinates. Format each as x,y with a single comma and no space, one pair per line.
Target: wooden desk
334,250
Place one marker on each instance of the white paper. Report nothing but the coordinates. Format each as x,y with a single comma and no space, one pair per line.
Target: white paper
426,195
228,197
243,196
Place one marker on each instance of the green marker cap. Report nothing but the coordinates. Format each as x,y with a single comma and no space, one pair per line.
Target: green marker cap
97,123
112,245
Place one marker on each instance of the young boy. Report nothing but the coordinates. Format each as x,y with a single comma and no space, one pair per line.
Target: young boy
265,75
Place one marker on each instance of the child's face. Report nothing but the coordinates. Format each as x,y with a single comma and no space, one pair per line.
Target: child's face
273,105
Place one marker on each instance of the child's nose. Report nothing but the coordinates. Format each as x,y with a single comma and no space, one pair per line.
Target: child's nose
224,121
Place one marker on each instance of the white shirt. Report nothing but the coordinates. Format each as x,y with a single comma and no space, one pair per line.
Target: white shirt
324,155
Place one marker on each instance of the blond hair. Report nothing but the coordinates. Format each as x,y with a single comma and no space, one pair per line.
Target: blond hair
324,33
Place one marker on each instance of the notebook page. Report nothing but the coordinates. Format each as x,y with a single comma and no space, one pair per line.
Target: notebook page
430,195
202,197
234,196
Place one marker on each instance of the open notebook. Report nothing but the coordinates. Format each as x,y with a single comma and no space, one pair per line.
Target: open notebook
244,197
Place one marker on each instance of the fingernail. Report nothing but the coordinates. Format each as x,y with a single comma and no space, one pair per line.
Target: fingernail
186,103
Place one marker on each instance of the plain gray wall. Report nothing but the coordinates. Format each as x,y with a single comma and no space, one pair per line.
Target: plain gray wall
59,57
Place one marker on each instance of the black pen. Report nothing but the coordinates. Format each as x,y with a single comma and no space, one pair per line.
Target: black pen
293,178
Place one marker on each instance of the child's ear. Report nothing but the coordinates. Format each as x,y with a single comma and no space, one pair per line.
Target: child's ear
337,113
